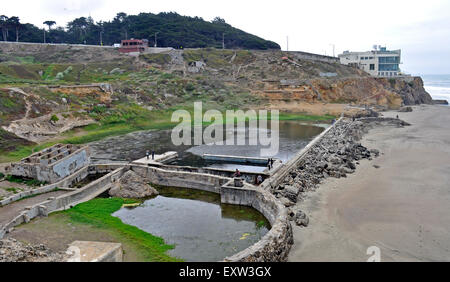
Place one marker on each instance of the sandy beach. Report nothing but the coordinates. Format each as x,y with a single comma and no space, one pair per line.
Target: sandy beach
399,202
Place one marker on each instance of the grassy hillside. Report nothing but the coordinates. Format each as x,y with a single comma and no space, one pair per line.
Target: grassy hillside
146,89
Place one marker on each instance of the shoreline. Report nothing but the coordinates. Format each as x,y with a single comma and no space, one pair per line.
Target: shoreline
402,206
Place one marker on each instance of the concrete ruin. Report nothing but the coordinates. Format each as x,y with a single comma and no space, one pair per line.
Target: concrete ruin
52,164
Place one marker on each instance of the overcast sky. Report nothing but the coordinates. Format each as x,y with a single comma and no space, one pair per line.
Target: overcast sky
420,28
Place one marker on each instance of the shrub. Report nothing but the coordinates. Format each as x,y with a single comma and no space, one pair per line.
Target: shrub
54,118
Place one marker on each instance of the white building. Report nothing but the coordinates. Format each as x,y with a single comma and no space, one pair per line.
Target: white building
379,62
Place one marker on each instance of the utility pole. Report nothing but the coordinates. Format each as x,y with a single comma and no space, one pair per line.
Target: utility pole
101,34
223,41
156,39
287,43
333,49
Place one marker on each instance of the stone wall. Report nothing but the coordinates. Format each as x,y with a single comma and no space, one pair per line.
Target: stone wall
279,176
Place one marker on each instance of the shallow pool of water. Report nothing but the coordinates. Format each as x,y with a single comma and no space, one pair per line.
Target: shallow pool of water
197,224
293,136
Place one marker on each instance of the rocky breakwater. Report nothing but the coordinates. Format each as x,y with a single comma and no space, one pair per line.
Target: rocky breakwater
337,154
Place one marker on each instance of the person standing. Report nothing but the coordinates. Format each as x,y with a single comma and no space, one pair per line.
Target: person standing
147,154
153,154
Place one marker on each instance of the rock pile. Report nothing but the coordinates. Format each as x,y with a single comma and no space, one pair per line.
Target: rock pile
131,185
336,155
12,250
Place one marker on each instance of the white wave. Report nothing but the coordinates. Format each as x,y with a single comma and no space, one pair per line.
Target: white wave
440,93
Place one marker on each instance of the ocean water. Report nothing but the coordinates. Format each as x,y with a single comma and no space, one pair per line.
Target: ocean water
438,86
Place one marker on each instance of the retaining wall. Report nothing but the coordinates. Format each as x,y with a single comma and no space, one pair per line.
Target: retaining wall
65,201
276,244
182,179
250,177
314,57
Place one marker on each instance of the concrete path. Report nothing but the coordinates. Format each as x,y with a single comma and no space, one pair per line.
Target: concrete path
402,207
158,158
9,212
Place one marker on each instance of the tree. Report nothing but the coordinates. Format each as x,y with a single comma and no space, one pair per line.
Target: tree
15,23
49,24
78,25
4,26
122,19
218,20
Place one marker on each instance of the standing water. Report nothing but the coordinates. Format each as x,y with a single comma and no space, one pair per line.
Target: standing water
293,136
200,227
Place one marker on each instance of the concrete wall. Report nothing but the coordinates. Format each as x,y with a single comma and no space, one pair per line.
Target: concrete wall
65,183
249,177
66,201
314,57
182,179
276,244
53,172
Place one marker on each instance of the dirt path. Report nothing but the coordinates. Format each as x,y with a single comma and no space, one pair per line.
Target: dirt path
402,207
9,212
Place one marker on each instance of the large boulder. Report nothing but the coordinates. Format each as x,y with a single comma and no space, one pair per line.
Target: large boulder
131,185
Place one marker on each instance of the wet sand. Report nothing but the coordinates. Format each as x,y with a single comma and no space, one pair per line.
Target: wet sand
402,207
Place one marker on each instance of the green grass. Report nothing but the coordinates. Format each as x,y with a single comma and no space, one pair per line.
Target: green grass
305,117
12,189
97,213
28,182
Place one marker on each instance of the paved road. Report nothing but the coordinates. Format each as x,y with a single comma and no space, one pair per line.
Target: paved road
402,207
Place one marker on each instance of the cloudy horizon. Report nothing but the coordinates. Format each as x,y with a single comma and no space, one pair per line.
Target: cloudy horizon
421,30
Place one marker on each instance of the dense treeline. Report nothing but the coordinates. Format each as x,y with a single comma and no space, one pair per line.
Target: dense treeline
172,30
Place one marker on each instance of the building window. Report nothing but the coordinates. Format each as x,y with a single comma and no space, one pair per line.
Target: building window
372,66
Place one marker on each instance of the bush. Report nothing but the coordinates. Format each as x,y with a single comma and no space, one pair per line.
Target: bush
54,118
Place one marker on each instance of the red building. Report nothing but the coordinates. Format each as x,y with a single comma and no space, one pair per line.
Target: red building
133,45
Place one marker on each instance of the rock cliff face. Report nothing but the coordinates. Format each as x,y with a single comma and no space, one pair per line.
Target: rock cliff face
410,89
362,90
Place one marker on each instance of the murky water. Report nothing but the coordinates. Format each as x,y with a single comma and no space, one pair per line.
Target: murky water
293,136
201,228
